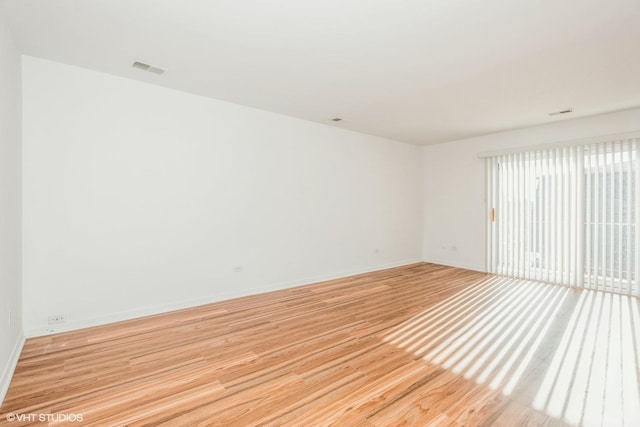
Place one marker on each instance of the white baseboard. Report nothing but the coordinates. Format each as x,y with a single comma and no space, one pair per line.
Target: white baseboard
480,268
41,330
10,367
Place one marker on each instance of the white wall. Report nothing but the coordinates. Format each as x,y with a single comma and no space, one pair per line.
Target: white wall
11,337
454,183
139,198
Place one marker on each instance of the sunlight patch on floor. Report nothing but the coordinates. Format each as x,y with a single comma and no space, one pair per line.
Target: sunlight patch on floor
572,354
593,377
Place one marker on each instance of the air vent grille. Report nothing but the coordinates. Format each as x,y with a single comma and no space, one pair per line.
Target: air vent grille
147,67
567,111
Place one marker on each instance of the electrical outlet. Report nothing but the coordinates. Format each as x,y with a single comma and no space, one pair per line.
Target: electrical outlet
57,318
238,269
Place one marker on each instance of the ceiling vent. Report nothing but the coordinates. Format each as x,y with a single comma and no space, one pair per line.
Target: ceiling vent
557,113
147,67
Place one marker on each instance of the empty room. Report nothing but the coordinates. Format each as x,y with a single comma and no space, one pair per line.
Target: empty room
319,213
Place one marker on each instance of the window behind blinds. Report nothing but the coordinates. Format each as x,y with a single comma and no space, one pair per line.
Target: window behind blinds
567,215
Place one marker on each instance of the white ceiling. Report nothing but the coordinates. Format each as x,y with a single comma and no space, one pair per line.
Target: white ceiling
419,71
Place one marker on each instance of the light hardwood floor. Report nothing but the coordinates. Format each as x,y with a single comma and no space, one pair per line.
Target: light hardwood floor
417,345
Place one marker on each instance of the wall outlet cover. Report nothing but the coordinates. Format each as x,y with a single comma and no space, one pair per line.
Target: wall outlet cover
57,318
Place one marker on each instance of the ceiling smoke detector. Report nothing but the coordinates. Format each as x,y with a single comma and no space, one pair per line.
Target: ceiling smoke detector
557,113
147,67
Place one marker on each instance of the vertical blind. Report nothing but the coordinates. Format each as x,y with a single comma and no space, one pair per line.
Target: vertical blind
567,215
